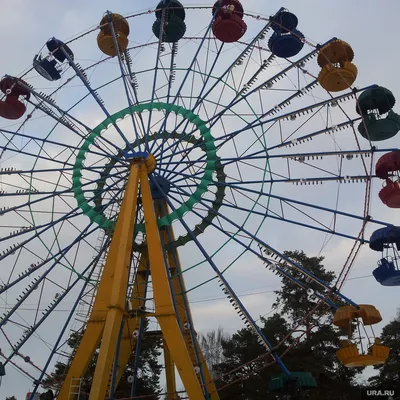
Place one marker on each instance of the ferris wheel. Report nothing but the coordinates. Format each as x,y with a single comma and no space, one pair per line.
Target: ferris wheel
210,141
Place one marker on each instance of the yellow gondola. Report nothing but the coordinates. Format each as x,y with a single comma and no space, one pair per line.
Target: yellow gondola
338,72
349,354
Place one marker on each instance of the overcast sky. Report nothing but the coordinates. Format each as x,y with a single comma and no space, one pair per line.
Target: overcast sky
367,25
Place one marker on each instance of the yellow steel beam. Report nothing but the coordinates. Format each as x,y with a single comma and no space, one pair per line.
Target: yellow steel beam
120,257
95,327
169,373
183,309
163,300
83,356
132,323
192,345
109,306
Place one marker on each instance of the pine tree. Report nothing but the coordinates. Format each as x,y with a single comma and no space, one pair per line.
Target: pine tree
315,353
250,382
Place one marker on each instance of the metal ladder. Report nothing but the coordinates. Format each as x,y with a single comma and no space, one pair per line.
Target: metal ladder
75,389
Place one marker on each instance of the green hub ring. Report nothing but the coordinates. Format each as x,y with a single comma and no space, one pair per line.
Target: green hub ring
216,204
206,180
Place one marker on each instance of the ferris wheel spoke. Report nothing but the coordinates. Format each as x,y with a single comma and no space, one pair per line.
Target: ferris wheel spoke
24,172
300,111
272,214
189,69
37,281
49,224
65,118
53,306
36,156
282,272
235,101
160,148
264,154
260,155
258,123
245,93
133,83
12,171
91,267
258,241
189,165
47,141
174,147
57,193
205,80
310,136
27,179
234,299
124,80
309,205
160,151
37,235
172,71
84,79
241,56
55,246
237,184
156,69
65,217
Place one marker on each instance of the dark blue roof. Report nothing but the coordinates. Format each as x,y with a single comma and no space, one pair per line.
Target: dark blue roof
384,236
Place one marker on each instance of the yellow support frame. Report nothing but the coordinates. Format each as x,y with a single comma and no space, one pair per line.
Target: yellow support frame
132,324
164,306
109,309
182,305
169,373
109,306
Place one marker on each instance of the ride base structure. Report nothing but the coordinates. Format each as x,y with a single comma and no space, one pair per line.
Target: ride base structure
110,322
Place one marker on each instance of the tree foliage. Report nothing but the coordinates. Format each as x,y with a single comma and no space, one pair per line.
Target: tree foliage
211,346
315,352
389,373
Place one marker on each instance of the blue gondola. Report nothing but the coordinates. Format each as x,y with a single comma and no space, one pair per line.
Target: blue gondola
50,66
382,238
284,21
286,45
387,274
286,41
387,241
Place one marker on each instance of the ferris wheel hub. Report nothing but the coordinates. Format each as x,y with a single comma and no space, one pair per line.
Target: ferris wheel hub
150,163
148,158
159,187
